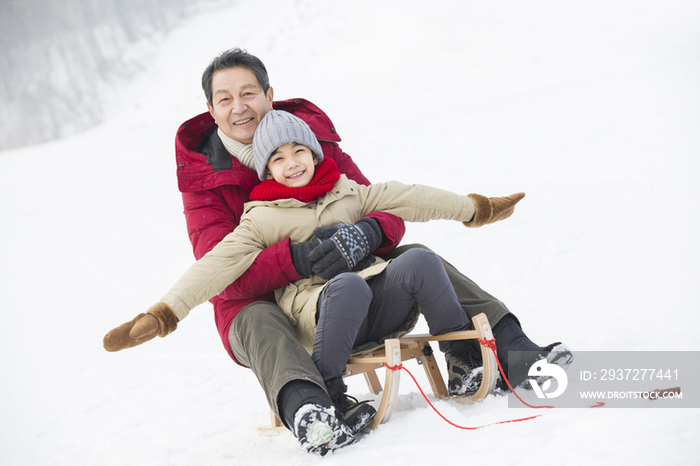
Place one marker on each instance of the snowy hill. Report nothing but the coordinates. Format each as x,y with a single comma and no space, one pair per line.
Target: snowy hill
592,109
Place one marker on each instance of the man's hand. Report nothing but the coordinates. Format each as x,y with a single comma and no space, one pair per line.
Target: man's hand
493,209
159,320
345,247
300,256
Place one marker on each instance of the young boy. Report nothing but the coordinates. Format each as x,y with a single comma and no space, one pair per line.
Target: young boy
302,196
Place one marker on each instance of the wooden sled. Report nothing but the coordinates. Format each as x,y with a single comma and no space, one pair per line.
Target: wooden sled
396,351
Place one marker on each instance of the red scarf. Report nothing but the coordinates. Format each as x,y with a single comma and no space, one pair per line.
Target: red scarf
325,176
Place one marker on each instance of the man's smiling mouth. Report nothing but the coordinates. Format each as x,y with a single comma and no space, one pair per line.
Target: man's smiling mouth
242,122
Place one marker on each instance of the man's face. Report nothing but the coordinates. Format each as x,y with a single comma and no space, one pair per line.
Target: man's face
239,103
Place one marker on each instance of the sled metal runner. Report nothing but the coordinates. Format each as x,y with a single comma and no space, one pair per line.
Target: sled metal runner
413,346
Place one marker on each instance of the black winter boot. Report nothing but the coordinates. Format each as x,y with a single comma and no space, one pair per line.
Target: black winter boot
517,352
465,368
356,414
307,410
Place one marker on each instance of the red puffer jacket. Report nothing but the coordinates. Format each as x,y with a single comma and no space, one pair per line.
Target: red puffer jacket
215,186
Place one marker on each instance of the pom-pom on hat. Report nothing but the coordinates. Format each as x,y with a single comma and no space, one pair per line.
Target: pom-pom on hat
278,128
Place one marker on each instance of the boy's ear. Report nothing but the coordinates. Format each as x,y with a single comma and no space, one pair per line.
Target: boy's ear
315,159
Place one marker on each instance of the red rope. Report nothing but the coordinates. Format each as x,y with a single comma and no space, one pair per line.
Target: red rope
400,366
491,344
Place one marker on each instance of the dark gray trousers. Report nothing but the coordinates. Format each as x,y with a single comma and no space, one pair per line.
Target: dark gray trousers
471,297
352,311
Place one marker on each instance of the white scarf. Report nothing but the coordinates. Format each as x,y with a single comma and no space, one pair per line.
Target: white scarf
243,152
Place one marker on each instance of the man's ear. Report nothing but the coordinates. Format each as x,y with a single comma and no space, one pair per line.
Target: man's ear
211,109
270,96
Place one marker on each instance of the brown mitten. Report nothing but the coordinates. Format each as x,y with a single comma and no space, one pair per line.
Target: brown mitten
492,209
159,320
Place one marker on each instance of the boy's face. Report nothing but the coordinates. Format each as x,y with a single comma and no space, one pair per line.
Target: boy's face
292,165
239,103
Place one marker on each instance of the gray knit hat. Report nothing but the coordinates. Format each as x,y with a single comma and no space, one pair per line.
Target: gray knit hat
278,128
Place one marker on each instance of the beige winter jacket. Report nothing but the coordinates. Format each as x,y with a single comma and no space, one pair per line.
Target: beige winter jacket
267,222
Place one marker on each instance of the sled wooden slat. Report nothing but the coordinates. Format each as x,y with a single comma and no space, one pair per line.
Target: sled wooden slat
275,427
373,382
415,346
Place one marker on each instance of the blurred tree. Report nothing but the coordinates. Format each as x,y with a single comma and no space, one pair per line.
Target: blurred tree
56,57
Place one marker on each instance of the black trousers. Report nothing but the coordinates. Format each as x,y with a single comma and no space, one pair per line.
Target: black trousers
353,312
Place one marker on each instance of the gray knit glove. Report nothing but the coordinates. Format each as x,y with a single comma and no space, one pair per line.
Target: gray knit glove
345,247
300,256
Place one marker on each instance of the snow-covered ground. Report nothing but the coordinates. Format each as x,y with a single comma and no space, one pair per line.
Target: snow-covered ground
592,108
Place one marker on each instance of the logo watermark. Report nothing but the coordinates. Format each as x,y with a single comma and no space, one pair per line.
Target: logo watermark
614,379
542,370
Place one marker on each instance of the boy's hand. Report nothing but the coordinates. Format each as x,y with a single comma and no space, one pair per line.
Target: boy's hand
345,247
159,320
492,209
